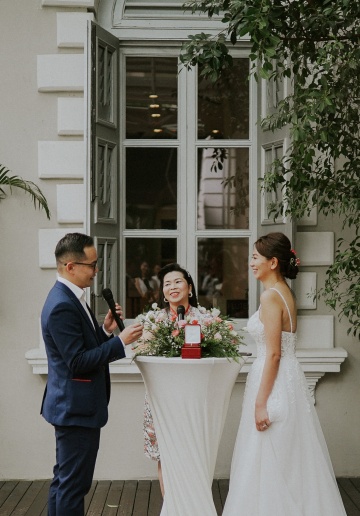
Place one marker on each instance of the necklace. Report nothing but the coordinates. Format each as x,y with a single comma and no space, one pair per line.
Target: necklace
175,313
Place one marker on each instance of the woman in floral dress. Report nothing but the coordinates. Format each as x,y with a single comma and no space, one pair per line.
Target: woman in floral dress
176,288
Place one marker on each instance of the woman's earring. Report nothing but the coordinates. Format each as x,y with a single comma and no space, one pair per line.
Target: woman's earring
165,300
190,294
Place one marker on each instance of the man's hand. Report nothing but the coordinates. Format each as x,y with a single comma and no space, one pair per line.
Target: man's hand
131,333
109,321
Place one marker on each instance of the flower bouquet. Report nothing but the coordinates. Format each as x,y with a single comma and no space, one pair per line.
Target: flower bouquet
164,336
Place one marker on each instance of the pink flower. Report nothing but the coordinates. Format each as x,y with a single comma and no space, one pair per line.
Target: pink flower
175,333
182,323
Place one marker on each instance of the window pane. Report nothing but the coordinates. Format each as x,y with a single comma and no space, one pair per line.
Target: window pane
223,107
151,188
223,275
151,97
223,188
144,257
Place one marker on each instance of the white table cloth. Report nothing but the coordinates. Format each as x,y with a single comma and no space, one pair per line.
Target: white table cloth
189,399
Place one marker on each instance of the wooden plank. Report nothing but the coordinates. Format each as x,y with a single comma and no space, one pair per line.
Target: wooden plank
351,491
156,500
113,498
99,497
89,496
216,497
29,497
356,482
6,490
127,498
14,498
39,505
350,507
223,488
142,496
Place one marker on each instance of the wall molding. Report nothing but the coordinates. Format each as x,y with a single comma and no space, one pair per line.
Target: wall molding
314,362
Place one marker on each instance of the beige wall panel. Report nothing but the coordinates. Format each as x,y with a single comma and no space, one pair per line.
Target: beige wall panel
72,29
304,287
69,3
317,248
71,116
61,159
71,204
60,72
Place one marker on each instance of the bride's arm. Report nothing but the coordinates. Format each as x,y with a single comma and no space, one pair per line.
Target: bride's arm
271,317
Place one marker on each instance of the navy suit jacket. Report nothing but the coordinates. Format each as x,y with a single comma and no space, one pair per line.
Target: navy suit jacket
78,387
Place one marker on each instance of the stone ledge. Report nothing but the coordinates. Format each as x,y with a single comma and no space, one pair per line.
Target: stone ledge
315,363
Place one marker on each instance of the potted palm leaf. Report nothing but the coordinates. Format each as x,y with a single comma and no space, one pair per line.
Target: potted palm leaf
29,187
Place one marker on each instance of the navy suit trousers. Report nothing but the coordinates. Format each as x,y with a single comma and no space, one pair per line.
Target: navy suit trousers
76,451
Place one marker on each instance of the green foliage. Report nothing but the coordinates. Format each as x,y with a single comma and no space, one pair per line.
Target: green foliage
316,45
28,186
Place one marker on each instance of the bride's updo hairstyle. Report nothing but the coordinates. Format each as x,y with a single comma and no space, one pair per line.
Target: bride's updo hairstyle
277,245
171,267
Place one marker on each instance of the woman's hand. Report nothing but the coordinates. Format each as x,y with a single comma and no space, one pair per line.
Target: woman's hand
262,420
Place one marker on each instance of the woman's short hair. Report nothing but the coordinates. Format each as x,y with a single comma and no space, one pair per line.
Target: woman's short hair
175,267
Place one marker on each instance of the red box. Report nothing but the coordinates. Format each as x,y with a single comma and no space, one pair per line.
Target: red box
192,348
191,351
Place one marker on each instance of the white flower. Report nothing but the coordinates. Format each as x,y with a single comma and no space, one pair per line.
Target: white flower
202,310
233,333
244,328
161,316
217,336
215,312
154,306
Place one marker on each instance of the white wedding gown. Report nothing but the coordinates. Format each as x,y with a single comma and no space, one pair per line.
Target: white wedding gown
285,470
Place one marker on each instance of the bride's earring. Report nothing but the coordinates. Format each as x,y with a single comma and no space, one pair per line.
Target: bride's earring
190,294
165,300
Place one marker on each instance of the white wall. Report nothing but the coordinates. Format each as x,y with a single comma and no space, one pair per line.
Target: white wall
28,116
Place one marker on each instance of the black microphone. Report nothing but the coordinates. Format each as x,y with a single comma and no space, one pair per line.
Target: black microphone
108,296
180,312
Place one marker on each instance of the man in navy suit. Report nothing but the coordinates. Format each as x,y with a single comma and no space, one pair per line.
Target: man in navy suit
78,388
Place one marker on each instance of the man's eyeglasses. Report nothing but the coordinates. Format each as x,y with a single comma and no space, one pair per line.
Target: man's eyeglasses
92,265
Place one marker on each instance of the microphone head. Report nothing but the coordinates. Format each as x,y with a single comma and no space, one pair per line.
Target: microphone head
107,294
180,310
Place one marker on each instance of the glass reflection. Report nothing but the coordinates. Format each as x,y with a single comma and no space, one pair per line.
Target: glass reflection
144,259
223,275
223,107
223,188
151,97
151,188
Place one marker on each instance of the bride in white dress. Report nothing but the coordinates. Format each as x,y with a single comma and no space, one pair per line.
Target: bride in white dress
281,465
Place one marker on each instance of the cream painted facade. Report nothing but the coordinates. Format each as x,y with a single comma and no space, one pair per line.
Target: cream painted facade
43,138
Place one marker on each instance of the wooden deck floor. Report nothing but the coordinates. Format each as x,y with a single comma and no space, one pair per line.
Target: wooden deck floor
129,497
